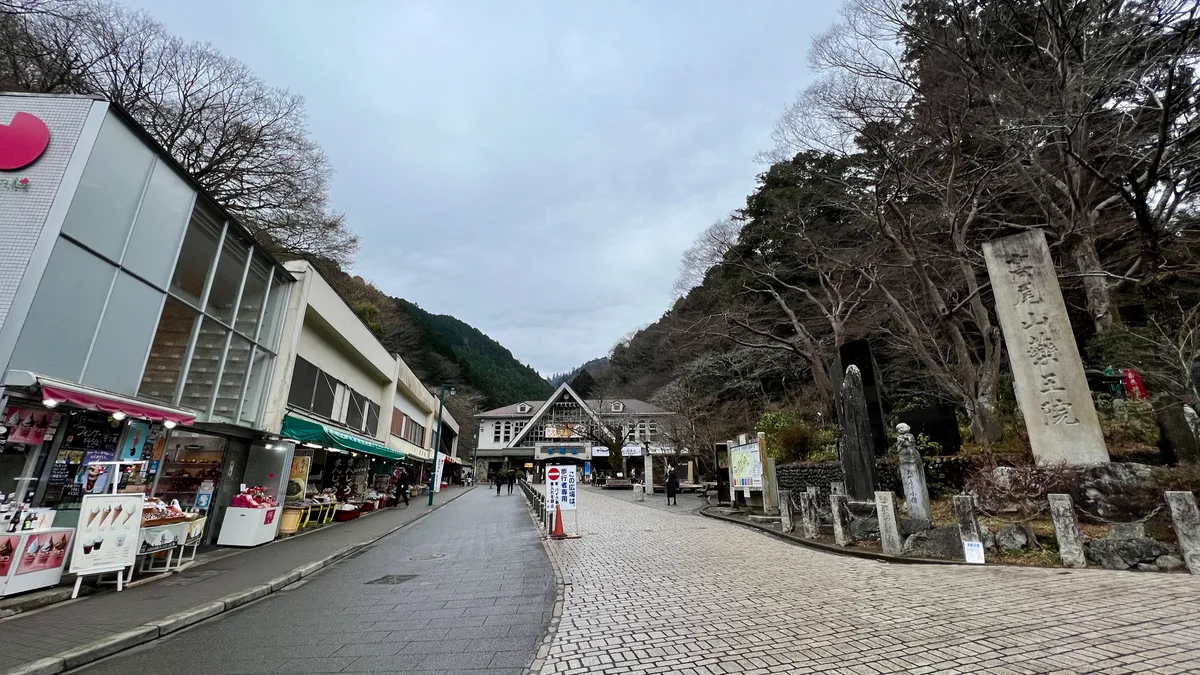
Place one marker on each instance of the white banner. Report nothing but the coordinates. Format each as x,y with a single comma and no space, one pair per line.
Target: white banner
437,481
561,487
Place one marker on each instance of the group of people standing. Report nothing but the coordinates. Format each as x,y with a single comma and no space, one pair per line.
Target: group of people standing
499,478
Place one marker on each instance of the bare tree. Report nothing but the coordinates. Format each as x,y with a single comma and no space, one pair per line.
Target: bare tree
246,142
704,254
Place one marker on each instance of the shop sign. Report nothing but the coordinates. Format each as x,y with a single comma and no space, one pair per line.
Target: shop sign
22,141
195,530
26,425
155,539
437,481
106,536
204,494
297,483
95,477
15,184
136,435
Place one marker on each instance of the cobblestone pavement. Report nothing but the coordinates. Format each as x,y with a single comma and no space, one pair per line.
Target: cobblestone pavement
478,602
654,591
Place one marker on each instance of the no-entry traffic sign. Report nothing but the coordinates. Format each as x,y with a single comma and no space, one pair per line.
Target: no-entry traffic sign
561,485
553,473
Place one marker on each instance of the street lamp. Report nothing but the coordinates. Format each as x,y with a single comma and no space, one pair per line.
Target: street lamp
437,441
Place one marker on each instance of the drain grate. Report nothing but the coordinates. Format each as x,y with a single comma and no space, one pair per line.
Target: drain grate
428,556
393,579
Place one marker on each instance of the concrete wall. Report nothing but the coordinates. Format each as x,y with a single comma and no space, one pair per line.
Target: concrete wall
323,330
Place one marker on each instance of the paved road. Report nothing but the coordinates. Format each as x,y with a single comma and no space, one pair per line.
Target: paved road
481,607
653,590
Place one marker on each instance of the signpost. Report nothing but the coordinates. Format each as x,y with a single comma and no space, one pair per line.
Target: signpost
562,491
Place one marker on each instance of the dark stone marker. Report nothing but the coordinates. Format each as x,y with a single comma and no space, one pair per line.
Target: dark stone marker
857,448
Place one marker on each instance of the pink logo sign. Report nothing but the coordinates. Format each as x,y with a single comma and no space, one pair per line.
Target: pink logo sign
22,141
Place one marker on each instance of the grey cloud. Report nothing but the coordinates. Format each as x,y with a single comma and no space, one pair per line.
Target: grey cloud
533,168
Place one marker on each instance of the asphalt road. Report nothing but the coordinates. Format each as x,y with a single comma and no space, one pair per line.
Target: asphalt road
468,589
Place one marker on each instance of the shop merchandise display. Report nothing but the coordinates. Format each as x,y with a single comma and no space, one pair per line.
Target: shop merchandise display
254,498
156,512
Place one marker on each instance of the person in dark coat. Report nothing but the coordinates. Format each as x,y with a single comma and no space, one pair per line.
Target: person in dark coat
402,485
512,480
498,480
672,488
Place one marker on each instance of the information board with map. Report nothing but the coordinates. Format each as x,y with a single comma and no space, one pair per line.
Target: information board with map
745,466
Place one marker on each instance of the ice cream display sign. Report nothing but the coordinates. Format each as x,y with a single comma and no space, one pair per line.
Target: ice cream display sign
8,553
106,537
43,552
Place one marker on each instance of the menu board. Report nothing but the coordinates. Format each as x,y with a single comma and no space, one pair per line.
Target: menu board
106,537
90,433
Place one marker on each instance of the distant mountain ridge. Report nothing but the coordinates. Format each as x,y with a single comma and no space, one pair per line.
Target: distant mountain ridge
594,366
485,364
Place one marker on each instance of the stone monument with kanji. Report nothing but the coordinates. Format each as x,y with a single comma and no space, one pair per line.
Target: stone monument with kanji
1048,376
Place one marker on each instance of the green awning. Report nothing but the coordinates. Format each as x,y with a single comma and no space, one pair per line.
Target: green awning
326,436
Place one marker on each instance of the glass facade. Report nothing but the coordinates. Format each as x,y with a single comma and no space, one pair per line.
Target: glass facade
149,293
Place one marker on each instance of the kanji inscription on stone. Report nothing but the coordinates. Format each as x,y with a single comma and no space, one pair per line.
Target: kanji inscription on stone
1048,375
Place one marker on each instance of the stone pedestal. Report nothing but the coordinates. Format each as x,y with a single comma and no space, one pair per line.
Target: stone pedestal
968,522
808,515
648,463
785,511
840,507
912,477
639,493
770,486
889,530
857,447
1066,530
1186,518
1048,376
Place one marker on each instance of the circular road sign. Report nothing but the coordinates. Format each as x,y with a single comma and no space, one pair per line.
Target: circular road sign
553,473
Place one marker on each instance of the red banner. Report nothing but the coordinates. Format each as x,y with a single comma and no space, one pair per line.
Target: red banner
1133,385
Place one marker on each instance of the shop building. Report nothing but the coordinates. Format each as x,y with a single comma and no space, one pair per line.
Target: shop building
354,410
565,428
138,319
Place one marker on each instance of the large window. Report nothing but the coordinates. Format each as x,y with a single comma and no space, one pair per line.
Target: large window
220,276
149,292
414,433
318,392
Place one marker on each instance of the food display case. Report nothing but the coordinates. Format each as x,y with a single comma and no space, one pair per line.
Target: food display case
251,519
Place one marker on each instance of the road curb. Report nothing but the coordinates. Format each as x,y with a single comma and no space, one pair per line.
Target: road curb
543,651
828,548
94,651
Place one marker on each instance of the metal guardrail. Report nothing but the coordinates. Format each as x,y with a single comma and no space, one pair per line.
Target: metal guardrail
536,500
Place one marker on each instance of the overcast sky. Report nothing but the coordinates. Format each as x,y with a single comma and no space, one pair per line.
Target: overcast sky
532,168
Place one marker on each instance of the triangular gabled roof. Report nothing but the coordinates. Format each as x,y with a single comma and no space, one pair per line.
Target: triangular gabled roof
537,416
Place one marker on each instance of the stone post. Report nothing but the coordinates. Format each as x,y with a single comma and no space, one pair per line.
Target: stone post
968,523
889,530
857,447
1048,378
912,476
840,507
1066,530
639,493
648,464
770,488
837,488
1186,518
808,515
785,511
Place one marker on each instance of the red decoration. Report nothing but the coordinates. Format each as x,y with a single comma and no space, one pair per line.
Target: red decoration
22,141
1134,385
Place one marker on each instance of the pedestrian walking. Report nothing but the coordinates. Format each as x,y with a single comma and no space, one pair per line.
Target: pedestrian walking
498,481
672,487
512,480
402,485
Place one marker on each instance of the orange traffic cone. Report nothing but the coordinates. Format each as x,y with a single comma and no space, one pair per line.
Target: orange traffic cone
558,527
